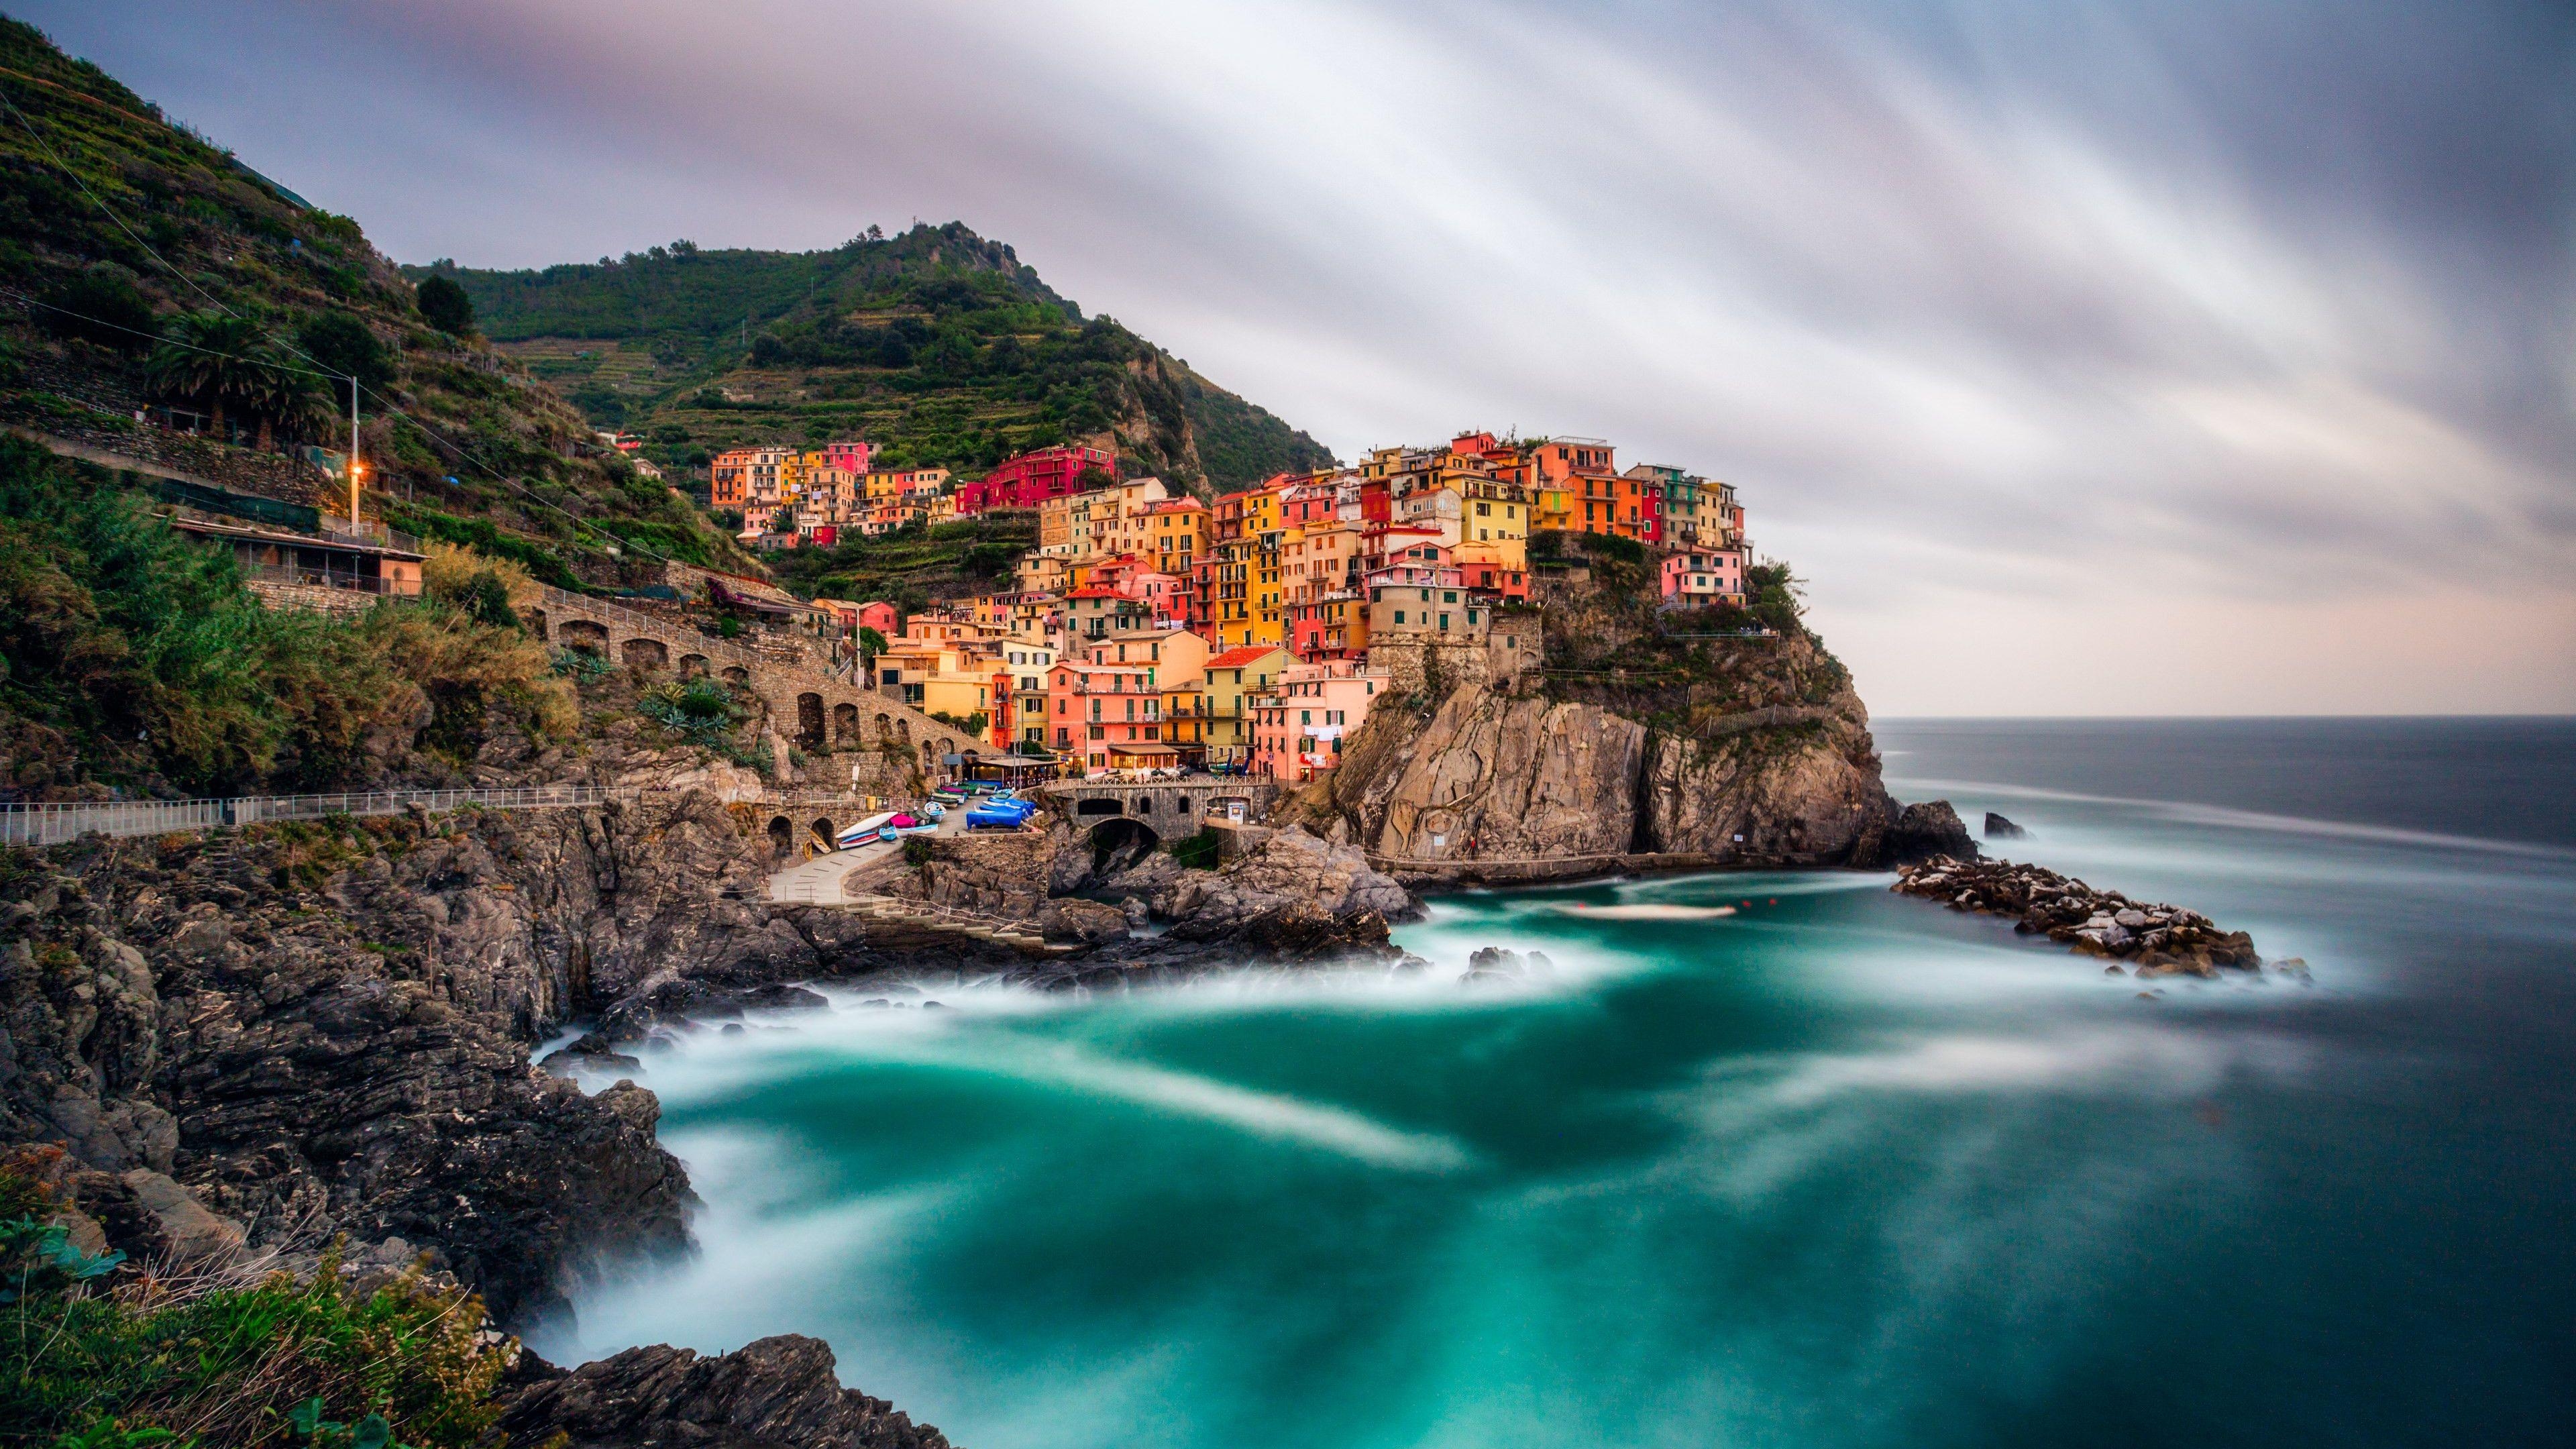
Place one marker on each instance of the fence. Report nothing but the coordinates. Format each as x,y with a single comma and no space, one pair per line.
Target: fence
54,824
323,576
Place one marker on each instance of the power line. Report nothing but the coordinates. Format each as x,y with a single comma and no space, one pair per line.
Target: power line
25,300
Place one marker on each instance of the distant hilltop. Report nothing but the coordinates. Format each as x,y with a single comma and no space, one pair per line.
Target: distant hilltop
938,345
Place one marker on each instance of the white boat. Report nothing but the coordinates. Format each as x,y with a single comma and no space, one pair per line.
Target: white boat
865,830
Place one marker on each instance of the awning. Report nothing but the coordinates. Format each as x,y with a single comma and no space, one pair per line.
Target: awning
1148,749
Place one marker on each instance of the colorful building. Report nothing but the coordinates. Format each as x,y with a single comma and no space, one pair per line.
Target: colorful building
1232,677
1032,478
1697,578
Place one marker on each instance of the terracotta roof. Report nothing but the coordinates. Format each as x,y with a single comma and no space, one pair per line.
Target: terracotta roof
1242,655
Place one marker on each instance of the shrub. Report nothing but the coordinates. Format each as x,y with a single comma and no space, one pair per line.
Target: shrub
93,1354
445,306
347,346
101,306
1197,852
701,711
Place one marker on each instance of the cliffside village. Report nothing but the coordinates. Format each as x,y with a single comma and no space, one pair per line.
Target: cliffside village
1151,631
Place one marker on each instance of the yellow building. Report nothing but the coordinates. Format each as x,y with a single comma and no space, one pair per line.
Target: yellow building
1226,715
1176,535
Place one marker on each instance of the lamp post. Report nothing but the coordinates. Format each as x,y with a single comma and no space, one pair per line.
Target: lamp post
353,454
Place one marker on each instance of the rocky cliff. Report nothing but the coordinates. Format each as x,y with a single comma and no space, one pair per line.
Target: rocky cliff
1722,737
325,1030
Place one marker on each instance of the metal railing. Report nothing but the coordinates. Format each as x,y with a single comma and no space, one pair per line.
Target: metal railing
330,578
52,824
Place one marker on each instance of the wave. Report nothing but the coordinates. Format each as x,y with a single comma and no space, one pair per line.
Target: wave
1643,911
2190,812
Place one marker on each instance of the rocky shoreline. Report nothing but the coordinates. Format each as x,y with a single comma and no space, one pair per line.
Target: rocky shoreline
2152,939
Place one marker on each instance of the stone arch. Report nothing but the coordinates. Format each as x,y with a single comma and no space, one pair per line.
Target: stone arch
583,635
693,666
645,655
885,729
534,621
1100,805
829,838
845,726
782,837
903,729
1117,844
809,720
736,674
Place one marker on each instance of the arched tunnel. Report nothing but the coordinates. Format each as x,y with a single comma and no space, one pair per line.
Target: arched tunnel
1119,843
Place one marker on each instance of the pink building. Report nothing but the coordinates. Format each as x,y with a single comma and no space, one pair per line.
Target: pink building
1299,726
1696,578
1107,716
851,456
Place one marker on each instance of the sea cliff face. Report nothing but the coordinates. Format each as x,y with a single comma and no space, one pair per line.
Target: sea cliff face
1766,762
325,1030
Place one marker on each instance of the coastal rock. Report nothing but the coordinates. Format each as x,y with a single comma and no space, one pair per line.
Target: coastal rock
1091,923
1291,896
1927,830
772,1393
2156,940
1756,755
317,1032
1999,828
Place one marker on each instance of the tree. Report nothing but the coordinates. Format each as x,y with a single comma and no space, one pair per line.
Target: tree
101,306
226,362
872,646
446,307
341,343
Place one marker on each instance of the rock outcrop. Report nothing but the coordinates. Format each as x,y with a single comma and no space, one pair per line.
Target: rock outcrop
1999,828
1929,829
1504,774
321,1029
1291,897
2155,939
772,1393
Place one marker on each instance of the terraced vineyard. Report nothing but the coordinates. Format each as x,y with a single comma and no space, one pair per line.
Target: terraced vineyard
937,345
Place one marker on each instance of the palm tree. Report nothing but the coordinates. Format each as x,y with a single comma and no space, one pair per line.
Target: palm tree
227,361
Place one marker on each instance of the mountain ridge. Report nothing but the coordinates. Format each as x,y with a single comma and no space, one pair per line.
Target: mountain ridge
939,345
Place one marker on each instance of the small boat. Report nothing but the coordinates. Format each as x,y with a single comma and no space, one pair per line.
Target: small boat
936,811
865,830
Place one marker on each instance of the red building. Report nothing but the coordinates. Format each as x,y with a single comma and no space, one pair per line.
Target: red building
1032,478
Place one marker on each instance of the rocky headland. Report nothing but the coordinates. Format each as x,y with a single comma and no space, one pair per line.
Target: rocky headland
2153,939
1636,739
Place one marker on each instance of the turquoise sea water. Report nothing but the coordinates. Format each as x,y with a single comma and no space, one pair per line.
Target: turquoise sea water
1837,1168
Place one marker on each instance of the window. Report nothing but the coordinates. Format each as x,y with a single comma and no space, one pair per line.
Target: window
1399,616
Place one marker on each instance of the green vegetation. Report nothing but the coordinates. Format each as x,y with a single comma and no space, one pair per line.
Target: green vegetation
1198,852
937,345
223,259
132,656
912,566
96,1356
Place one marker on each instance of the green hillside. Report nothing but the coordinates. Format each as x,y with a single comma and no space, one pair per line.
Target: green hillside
936,344
124,236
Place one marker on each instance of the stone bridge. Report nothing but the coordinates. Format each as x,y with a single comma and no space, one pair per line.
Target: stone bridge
811,708
1165,809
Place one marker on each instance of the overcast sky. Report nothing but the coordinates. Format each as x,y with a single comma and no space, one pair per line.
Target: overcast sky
2085,359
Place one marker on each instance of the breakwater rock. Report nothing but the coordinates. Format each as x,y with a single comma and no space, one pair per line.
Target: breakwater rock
2154,939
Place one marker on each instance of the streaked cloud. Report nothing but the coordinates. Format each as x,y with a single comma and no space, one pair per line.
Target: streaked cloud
2085,358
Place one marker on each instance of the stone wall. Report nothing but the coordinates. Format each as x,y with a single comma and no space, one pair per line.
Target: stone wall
119,442
1505,654
312,596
